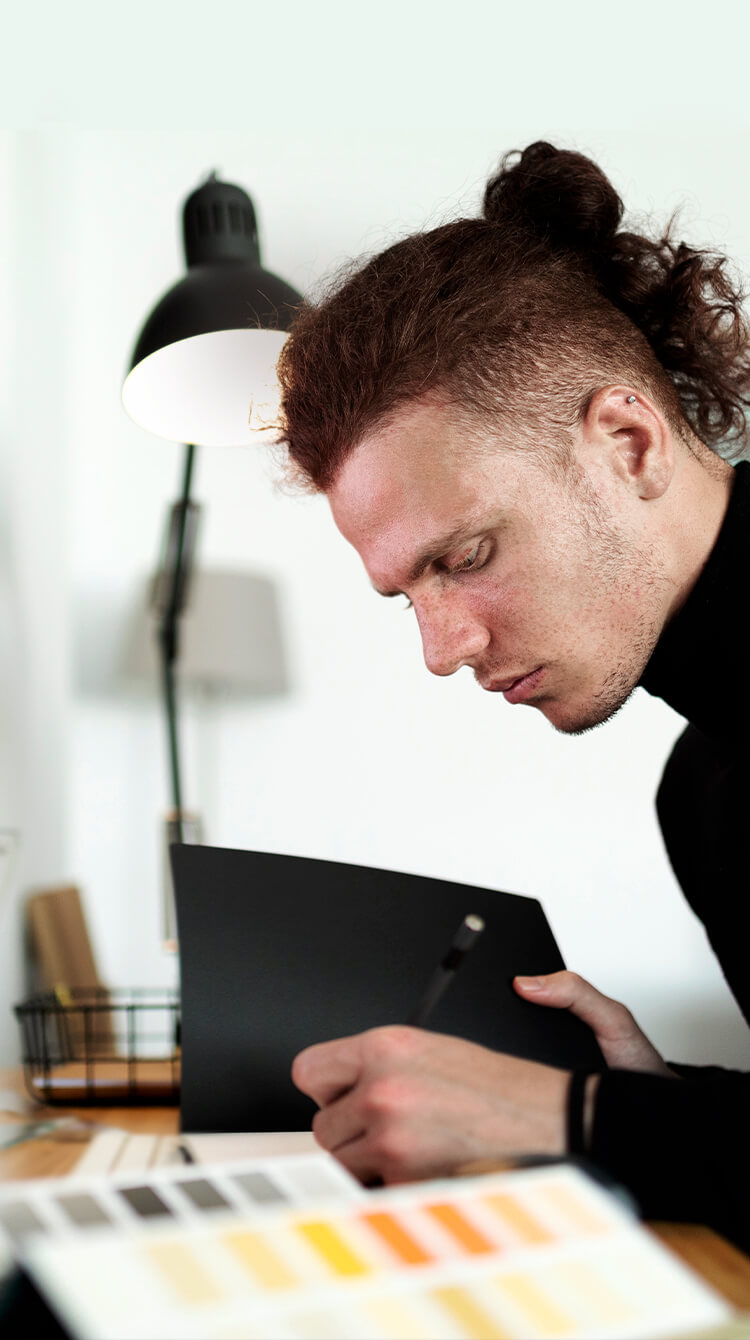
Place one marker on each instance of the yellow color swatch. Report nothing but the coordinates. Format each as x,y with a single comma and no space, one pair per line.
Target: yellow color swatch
181,1269
471,1239
259,1258
570,1203
518,1218
599,1299
474,1320
329,1244
238,1330
543,1312
318,1325
399,1320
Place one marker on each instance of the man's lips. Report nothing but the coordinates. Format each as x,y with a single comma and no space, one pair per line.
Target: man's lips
518,688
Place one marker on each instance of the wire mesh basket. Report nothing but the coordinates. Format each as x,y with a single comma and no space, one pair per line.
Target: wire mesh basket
94,1045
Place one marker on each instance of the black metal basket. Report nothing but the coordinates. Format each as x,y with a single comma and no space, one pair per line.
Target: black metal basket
95,1045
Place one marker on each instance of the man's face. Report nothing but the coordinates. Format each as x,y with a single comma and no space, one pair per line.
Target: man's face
546,584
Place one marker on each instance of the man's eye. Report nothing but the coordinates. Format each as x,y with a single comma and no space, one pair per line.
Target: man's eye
468,562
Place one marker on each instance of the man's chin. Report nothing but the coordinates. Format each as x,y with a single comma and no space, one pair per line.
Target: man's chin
578,718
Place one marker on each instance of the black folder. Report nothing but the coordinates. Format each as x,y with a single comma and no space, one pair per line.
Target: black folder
277,952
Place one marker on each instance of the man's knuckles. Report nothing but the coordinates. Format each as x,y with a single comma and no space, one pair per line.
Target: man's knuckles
393,1150
390,1045
386,1097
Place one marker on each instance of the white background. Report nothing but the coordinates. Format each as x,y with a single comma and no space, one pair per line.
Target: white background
349,125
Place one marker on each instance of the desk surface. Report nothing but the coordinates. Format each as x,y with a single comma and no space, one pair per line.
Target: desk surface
720,1263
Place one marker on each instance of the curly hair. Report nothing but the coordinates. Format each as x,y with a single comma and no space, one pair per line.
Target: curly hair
520,315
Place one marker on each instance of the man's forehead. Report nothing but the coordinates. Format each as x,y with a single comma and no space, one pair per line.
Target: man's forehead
410,498
418,459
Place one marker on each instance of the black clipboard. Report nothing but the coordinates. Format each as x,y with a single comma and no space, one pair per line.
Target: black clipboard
277,952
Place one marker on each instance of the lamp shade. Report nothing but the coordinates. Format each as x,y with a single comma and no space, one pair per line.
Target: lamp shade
205,360
231,639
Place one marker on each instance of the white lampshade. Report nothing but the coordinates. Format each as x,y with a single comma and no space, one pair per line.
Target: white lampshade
215,390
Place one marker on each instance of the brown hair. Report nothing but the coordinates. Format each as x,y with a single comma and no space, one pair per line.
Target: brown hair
520,315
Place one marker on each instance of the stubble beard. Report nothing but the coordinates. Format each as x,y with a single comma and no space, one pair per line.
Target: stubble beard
622,569
613,695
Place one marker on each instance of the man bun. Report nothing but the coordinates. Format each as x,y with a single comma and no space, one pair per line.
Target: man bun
684,300
516,317
560,196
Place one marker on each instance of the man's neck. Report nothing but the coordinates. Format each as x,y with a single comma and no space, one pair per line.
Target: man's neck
702,491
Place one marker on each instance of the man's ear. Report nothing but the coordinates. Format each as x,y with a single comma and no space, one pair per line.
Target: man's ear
634,437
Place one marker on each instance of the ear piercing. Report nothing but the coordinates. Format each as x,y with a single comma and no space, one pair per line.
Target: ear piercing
629,400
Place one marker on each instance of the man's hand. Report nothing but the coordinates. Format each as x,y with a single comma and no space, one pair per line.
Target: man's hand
623,1044
398,1104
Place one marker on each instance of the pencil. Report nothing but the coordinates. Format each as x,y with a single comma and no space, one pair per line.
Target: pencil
467,935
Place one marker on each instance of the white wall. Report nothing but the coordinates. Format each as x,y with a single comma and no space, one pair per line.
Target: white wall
33,541
369,759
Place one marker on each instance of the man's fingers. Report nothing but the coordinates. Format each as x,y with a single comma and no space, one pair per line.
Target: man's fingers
623,1043
338,1124
567,991
358,1159
328,1069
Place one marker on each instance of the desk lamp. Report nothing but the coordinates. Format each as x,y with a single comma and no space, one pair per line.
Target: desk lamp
203,365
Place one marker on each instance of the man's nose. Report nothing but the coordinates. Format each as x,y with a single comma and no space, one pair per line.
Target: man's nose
450,639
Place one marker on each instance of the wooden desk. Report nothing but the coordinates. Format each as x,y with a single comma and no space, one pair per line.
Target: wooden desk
711,1256
55,1156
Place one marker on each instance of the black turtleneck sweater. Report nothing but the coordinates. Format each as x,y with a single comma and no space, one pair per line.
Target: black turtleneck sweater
683,1145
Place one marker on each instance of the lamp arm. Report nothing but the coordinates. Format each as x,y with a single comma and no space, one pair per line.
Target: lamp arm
170,594
170,704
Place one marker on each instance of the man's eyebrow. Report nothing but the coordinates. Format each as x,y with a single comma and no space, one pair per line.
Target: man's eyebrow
434,550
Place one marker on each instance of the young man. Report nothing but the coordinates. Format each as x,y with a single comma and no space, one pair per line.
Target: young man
514,420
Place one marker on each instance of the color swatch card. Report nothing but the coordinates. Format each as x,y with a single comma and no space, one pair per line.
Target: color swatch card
293,1248
173,1193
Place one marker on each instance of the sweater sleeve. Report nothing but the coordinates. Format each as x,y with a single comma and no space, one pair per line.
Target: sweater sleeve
681,1146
